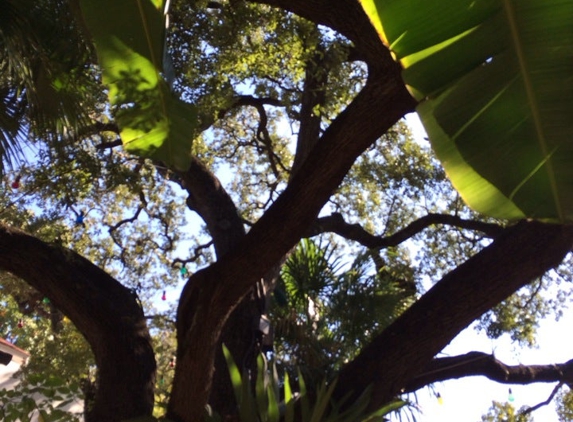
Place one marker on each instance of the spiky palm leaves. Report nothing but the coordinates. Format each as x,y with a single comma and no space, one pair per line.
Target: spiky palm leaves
46,83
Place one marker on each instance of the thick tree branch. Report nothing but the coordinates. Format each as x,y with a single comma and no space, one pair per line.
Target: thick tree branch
482,364
344,16
208,198
96,128
105,312
212,293
313,95
398,355
335,223
249,100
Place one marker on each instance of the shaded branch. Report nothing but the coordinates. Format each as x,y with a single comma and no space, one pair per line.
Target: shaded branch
208,198
106,313
249,100
96,128
108,145
400,353
343,16
335,223
211,294
195,257
482,364
543,403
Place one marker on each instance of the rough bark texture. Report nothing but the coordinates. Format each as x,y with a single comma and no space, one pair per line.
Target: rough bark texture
212,293
482,364
400,353
105,312
400,358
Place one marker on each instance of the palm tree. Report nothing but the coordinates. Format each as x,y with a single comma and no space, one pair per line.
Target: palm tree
45,74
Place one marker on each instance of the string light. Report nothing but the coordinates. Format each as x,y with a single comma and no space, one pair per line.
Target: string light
163,296
440,399
16,183
510,395
80,219
20,323
172,363
183,271
46,301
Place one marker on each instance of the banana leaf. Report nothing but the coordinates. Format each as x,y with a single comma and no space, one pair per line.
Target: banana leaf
494,81
129,36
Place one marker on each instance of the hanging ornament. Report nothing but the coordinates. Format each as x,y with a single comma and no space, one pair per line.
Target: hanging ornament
161,381
172,363
510,395
80,219
16,183
20,323
183,271
439,398
46,301
163,296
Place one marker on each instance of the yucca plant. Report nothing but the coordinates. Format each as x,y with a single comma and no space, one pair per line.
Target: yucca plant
264,403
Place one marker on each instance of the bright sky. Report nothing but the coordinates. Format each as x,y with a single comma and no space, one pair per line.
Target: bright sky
467,399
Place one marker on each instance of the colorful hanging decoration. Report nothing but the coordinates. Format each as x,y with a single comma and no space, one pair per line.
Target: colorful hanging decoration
16,183
439,398
183,271
46,301
163,296
20,323
172,363
80,219
510,396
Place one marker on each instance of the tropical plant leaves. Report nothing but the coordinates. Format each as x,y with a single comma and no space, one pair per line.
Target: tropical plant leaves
495,85
130,38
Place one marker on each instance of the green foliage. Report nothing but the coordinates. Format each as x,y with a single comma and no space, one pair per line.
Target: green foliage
564,405
489,77
327,312
333,296
130,38
505,412
47,398
265,404
519,315
46,82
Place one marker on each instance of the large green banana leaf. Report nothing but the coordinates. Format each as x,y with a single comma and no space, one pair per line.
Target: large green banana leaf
495,83
129,36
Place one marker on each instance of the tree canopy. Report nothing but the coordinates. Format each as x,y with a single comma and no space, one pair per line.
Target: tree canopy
327,236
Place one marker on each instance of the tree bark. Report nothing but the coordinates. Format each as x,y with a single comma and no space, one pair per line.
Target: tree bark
400,353
482,364
211,294
105,312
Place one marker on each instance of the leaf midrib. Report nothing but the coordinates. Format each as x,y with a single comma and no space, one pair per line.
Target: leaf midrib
533,103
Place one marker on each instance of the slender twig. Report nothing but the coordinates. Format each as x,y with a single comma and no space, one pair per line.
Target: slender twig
195,257
543,403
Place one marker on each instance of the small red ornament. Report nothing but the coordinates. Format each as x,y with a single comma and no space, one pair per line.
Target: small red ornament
163,297
20,323
172,363
16,183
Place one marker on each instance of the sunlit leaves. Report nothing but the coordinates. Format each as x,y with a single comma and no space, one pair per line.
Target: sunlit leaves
491,77
130,38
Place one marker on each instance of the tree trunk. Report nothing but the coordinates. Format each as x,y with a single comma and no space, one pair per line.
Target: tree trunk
105,312
212,293
400,353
